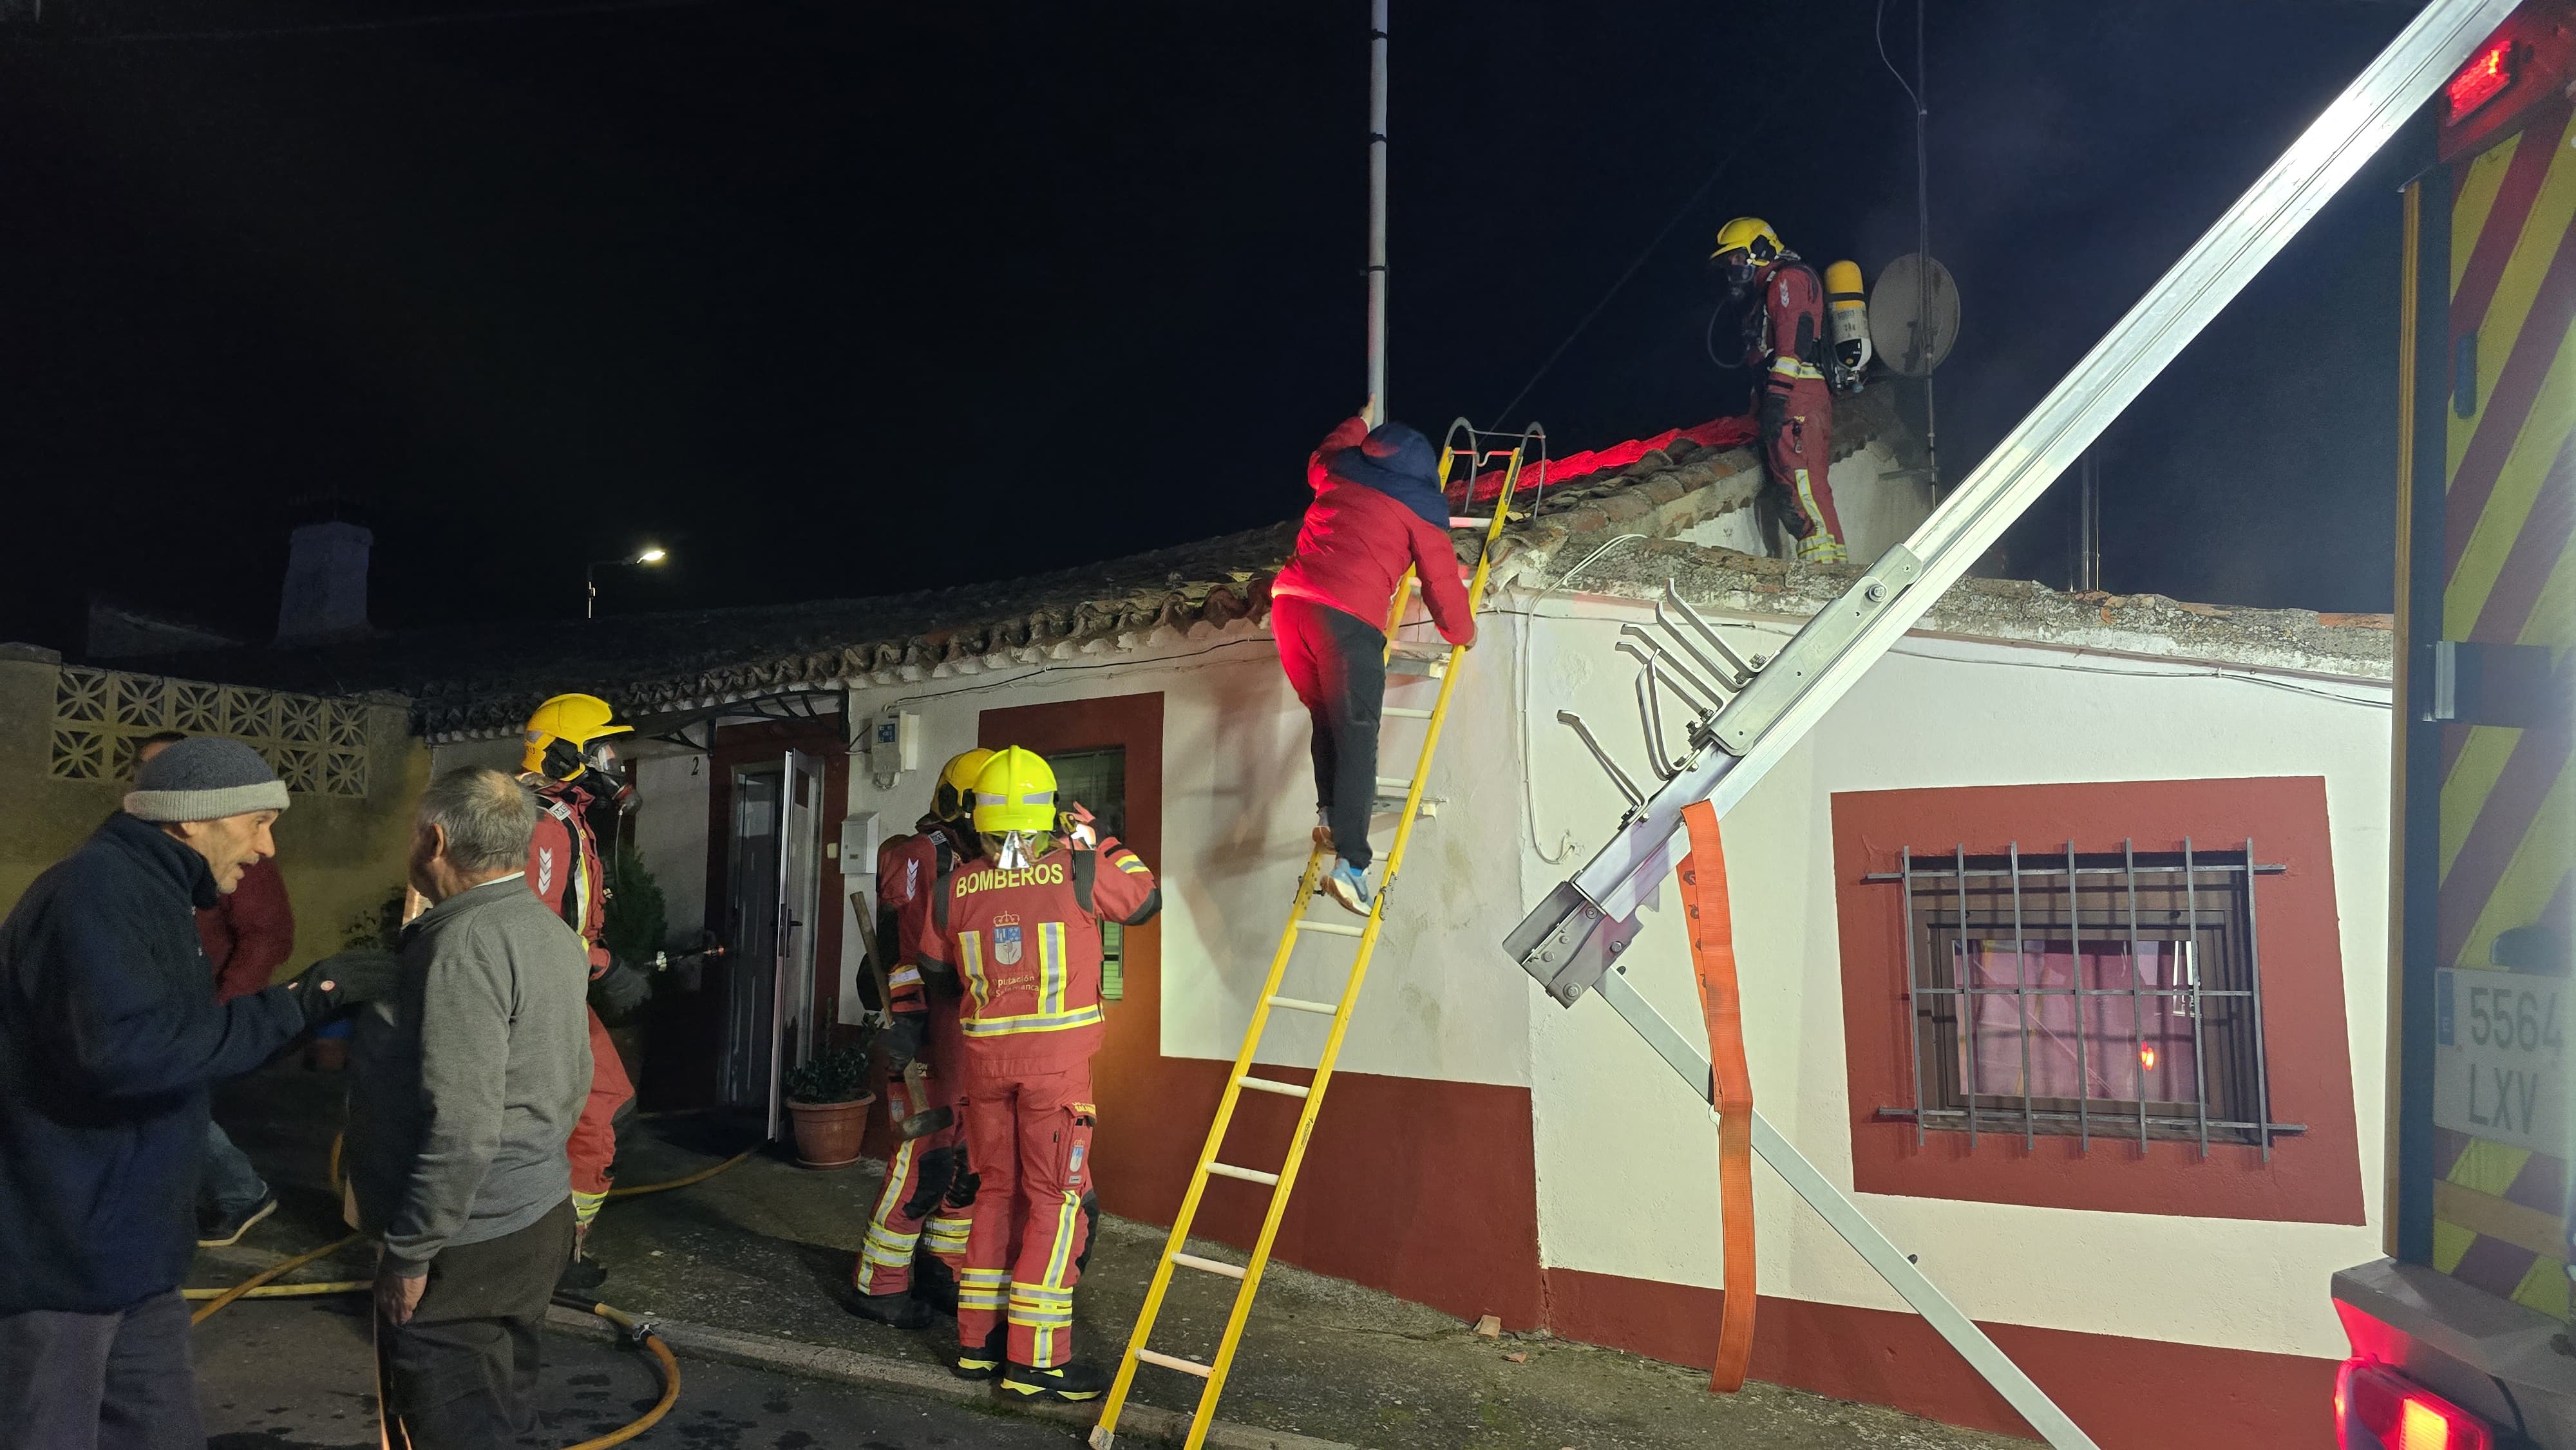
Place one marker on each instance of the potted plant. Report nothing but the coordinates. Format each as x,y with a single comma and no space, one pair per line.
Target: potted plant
828,1096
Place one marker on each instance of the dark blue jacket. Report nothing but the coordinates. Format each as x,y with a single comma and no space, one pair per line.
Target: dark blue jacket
109,1034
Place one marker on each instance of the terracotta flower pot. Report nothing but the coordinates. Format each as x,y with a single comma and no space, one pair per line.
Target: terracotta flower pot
828,1135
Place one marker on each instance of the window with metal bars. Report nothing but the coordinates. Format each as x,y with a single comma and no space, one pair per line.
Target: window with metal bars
2101,995
1097,779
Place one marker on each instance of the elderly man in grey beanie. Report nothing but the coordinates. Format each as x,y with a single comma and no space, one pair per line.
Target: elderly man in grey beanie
109,1035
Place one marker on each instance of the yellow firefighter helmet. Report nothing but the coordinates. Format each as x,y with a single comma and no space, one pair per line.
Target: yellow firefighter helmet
955,797
1749,234
562,733
1015,792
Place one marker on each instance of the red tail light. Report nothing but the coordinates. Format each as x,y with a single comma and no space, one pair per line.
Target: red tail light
2484,78
2376,1408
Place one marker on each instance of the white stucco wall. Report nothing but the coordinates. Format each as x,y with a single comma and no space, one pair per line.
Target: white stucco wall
1238,802
1937,713
669,829
1878,502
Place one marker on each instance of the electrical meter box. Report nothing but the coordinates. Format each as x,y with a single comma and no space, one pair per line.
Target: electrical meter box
894,743
859,840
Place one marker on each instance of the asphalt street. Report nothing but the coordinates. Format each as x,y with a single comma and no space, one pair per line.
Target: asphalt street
293,1375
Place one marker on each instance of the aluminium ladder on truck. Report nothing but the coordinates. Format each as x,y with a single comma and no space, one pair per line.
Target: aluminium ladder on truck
1442,664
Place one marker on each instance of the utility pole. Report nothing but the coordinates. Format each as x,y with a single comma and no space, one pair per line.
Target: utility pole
1377,215
1923,251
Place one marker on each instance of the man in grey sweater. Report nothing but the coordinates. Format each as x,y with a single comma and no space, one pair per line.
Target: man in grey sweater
464,1085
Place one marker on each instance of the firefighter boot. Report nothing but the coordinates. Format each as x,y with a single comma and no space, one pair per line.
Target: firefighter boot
896,1311
984,1363
1076,1380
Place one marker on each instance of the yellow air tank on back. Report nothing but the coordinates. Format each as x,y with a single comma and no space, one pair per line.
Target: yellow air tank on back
1848,321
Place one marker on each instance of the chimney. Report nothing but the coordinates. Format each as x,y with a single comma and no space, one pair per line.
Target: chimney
325,598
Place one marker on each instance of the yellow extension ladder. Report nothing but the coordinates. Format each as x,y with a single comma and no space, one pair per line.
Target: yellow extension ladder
1442,664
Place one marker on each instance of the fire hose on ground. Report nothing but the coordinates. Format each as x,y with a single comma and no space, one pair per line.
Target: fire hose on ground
639,1332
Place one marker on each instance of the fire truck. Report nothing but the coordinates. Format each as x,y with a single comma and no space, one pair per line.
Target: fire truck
2459,1336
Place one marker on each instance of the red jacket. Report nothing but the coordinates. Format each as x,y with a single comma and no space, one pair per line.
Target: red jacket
248,933
1782,336
908,872
564,867
1025,947
1356,543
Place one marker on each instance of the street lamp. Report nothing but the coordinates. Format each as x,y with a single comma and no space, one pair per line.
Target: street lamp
649,554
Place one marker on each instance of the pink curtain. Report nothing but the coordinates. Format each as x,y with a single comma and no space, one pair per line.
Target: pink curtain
2111,1065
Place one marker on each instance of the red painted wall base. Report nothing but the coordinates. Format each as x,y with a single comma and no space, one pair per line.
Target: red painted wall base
2128,1394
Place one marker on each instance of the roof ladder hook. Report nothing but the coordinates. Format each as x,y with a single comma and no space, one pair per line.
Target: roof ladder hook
1618,777
1650,715
1743,670
1679,667
1692,693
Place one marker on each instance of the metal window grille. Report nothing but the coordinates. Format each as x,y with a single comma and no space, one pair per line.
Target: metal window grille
2086,995
1098,779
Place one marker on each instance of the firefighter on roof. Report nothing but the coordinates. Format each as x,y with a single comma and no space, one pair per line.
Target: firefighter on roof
1018,933
1785,336
572,768
929,1190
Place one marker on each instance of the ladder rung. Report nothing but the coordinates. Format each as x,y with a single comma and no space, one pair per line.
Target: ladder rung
1404,712
1300,1004
1396,784
1248,1175
1174,1361
1330,928
1210,1266
1284,1089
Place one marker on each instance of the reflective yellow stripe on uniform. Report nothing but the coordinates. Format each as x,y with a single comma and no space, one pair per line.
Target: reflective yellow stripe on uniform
904,977
585,1206
970,964
983,1288
947,1235
1051,968
1790,367
884,1246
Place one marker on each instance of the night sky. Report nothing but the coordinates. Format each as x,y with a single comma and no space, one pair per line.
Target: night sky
837,300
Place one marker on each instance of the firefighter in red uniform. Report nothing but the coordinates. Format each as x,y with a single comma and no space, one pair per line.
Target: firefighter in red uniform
1019,934
1785,336
929,1191
571,767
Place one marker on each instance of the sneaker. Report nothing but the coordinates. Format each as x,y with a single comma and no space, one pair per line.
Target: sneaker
1323,830
1077,1380
1348,885
896,1311
581,1276
224,1232
984,1363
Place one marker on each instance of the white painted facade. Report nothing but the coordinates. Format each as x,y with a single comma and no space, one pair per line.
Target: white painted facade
1938,712
1625,1159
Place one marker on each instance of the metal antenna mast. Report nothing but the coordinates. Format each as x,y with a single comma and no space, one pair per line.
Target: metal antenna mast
1377,215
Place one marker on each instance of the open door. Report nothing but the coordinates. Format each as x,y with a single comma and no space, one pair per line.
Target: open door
774,883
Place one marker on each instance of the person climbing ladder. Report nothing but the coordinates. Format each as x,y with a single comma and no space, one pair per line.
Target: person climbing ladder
1378,509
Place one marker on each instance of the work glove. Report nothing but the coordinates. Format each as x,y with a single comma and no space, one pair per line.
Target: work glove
342,981
901,1041
1076,823
622,989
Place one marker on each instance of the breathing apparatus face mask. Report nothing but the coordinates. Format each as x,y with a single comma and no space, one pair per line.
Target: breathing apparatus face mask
595,766
1014,850
1738,268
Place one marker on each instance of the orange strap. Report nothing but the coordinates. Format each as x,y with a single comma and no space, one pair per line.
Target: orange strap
1712,933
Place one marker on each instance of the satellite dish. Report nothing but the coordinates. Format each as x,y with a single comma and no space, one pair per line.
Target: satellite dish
1914,315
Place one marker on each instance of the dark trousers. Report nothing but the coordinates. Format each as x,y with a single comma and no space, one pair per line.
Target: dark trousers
1337,664
463,1372
118,1381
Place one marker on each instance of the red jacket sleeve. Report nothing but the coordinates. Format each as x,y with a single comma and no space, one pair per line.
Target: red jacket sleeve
1349,433
1435,559
1122,888
263,932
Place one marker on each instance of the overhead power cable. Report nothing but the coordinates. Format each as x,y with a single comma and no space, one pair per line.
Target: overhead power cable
1699,192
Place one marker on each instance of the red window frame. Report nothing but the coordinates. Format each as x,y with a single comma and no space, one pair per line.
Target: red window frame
2313,1177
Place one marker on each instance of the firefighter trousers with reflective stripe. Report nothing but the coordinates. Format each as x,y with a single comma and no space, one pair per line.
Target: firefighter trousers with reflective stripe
1797,453
919,1203
1029,1135
593,1148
